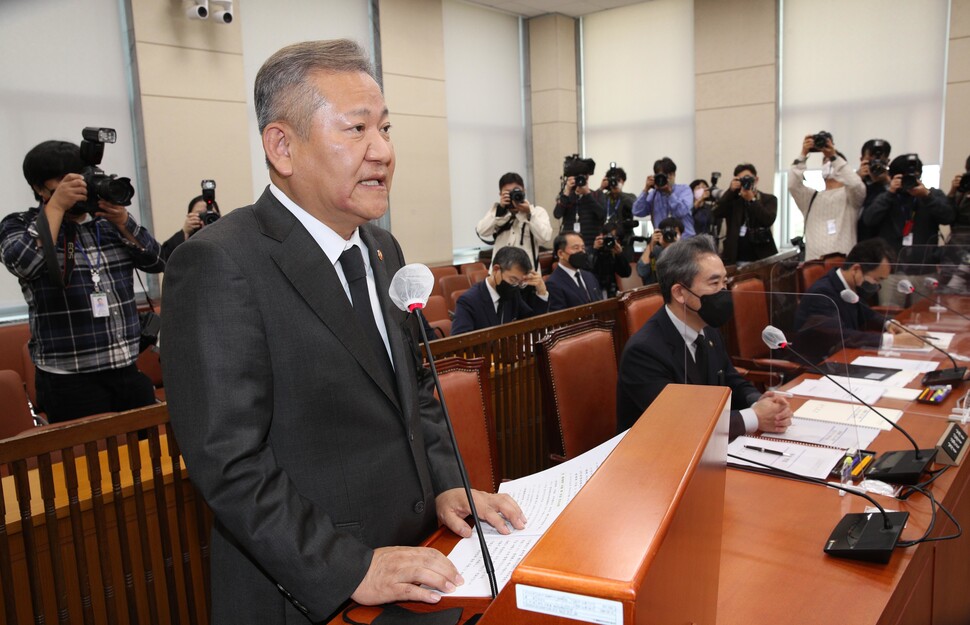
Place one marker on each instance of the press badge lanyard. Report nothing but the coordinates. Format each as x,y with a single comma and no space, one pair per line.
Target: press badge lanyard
99,299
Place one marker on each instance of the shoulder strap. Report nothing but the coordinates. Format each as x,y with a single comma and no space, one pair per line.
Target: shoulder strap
810,202
50,250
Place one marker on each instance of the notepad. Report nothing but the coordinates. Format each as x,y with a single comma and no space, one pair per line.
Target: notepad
806,460
850,414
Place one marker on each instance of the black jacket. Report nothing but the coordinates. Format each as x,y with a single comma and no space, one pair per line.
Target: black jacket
475,310
756,216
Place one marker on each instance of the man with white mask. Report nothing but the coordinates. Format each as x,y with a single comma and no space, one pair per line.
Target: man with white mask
830,215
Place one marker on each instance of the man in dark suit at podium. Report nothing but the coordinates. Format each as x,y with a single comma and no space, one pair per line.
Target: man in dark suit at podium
294,384
571,284
513,291
680,344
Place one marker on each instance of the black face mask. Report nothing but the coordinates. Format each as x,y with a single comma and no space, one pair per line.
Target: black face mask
716,308
505,290
578,260
867,289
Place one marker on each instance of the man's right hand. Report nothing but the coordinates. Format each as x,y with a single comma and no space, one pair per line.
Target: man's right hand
192,223
807,145
399,574
955,184
570,185
896,183
773,412
650,183
70,190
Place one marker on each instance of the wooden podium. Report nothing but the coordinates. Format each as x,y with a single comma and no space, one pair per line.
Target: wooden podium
641,542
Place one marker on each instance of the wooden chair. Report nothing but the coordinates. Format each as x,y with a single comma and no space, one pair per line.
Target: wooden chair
577,367
638,307
454,298
467,268
634,281
439,273
436,309
468,395
12,337
15,416
449,284
441,325
477,275
545,262
750,318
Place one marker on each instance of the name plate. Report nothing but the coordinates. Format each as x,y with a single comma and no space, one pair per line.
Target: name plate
952,447
568,605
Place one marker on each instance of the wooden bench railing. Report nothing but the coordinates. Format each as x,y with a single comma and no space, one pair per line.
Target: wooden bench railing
97,527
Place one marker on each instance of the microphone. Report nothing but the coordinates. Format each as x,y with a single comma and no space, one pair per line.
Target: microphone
857,536
906,287
953,376
895,467
410,289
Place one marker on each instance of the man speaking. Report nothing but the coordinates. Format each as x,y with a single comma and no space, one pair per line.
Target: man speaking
294,385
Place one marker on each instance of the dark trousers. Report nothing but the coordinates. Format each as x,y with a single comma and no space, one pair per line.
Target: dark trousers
73,395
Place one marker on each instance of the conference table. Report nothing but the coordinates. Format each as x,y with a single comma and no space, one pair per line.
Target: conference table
772,565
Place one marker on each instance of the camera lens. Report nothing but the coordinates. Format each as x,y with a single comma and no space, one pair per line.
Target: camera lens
517,195
660,180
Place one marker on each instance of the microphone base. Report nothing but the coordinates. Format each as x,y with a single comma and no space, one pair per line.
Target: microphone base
953,376
901,467
864,536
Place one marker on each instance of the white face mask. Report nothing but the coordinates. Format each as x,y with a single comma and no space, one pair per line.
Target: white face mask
827,170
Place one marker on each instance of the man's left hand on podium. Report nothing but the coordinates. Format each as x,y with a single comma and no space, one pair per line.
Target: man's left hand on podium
494,509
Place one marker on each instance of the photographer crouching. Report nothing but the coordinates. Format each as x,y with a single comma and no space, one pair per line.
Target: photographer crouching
749,214
203,210
78,283
609,259
668,231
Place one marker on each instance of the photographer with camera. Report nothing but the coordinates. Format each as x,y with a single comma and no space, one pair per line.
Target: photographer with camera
513,221
749,214
662,197
609,259
577,205
874,171
201,214
669,231
74,256
959,197
831,215
704,203
618,206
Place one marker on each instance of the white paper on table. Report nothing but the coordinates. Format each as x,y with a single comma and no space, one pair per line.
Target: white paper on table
906,364
893,387
815,462
851,414
827,389
940,339
840,435
542,497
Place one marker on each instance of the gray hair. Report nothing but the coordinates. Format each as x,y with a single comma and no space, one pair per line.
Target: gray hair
679,262
284,90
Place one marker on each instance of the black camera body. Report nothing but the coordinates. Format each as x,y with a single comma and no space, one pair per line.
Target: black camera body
747,182
820,140
964,186
101,186
878,167
210,215
517,195
909,181
579,168
669,234
660,180
611,178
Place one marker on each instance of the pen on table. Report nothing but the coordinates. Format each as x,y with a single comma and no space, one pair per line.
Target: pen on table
765,450
859,468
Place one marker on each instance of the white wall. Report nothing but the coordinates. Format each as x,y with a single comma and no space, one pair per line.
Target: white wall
486,130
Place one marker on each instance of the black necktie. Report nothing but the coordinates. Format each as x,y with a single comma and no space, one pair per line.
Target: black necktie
501,311
582,287
353,265
700,357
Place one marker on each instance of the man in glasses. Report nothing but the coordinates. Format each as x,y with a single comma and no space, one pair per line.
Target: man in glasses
511,292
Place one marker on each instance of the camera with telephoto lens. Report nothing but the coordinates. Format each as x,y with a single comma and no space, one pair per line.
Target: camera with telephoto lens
517,195
660,180
101,186
820,141
669,234
579,168
964,186
747,182
209,196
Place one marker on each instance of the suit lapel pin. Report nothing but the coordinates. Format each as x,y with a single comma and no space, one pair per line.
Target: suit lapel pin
710,343
380,256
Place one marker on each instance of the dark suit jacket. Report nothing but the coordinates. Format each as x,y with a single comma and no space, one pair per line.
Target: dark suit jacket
474,310
819,331
308,454
657,355
565,293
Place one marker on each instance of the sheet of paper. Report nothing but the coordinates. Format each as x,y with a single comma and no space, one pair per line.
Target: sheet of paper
849,414
893,387
826,433
906,364
940,339
814,462
827,389
542,497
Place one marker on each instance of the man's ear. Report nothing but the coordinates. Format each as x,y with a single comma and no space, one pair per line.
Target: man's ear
678,294
277,145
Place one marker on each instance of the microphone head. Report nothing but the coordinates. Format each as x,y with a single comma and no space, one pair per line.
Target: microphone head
905,286
849,296
930,282
774,338
411,287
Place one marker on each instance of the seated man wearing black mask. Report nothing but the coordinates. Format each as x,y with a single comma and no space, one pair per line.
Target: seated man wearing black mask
513,291
846,290
571,284
680,344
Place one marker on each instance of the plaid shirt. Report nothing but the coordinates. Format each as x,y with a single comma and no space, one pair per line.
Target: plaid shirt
64,333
